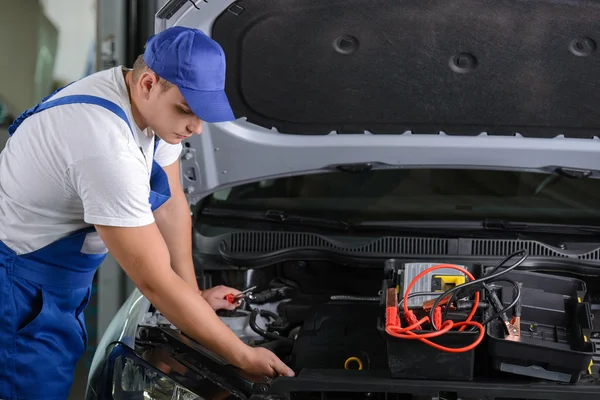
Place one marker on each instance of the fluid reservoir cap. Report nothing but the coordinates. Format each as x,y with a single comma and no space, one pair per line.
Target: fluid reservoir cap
353,363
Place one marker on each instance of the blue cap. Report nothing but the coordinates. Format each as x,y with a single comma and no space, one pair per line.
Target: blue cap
195,63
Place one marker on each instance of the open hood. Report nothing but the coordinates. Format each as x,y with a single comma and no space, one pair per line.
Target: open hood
318,85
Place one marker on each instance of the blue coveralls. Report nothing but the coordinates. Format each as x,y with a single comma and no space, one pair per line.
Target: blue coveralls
43,295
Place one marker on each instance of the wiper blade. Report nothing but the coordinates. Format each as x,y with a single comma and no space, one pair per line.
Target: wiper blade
420,225
277,216
483,225
538,227
284,217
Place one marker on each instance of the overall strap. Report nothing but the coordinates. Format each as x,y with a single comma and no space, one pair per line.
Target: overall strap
87,99
74,99
15,124
159,183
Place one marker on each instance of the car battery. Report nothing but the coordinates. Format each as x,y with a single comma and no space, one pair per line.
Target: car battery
413,359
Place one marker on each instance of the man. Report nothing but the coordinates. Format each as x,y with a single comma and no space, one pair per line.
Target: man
94,168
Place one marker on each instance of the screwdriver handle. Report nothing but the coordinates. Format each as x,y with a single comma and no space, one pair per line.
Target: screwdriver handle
230,298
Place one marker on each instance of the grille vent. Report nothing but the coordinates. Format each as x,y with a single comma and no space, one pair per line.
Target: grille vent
591,256
500,248
267,242
260,242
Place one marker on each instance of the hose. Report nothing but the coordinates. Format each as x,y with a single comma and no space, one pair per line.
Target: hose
262,332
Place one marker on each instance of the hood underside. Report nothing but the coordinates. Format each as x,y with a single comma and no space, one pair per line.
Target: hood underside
462,83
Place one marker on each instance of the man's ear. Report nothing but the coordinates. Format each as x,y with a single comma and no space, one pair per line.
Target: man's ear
148,81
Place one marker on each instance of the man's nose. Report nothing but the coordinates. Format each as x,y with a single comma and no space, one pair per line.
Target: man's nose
195,126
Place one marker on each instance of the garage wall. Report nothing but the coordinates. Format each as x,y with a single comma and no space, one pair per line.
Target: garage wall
76,22
28,43
3,137
49,41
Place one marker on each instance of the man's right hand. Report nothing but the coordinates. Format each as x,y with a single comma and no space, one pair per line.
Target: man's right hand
262,362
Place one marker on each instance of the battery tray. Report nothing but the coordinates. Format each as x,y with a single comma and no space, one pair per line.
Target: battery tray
556,326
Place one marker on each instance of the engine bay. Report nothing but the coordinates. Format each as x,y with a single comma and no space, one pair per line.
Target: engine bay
408,323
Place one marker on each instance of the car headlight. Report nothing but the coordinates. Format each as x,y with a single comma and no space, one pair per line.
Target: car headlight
133,381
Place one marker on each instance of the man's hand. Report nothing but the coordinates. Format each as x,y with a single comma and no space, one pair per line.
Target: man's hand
215,297
261,362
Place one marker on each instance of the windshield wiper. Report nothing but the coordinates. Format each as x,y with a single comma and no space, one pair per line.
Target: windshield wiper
277,216
538,227
500,225
483,225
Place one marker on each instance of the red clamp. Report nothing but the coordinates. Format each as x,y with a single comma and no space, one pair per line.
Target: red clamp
437,317
412,319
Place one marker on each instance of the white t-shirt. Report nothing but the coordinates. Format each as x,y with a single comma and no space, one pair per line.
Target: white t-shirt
72,166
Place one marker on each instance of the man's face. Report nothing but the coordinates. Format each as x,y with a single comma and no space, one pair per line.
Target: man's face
166,111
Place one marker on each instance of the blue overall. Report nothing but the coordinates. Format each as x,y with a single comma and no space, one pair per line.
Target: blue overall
43,295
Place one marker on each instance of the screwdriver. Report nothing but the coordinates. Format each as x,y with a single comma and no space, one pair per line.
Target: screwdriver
235,298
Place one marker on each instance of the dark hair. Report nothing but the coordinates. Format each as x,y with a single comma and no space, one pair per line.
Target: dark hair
139,67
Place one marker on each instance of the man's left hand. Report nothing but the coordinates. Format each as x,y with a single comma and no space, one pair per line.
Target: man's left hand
215,297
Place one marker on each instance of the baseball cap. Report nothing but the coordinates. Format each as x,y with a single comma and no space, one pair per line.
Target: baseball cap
195,63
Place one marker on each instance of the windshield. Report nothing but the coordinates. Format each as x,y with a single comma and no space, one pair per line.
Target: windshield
423,194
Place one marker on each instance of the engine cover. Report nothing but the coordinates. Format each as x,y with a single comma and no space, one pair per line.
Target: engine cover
336,331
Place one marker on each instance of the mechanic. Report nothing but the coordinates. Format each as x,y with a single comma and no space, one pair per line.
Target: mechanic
94,168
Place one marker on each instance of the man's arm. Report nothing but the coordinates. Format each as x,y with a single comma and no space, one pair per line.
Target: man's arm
143,254
113,189
175,224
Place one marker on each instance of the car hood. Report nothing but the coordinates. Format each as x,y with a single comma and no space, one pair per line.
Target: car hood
353,84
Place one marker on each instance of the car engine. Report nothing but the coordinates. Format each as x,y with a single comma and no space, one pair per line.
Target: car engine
488,321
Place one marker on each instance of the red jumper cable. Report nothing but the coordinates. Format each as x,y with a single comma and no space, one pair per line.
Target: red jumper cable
393,326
